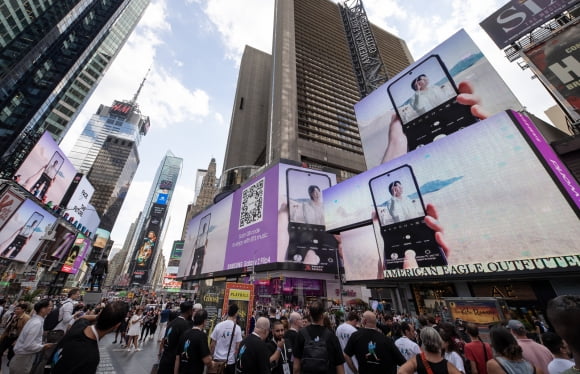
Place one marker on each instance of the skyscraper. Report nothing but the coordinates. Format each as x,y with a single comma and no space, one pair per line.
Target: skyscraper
54,54
313,91
203,197
145,245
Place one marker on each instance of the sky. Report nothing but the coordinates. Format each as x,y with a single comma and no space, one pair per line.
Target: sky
194,47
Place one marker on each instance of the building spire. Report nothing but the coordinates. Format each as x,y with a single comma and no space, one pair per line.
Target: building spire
134,101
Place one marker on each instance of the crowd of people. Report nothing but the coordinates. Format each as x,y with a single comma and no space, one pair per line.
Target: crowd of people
301,341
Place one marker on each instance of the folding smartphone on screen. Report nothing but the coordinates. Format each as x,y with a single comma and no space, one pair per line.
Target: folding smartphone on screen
306,228
401,212
425,99
199,247
56,157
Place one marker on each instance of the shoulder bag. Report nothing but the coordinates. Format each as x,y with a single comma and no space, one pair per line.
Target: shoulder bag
219,367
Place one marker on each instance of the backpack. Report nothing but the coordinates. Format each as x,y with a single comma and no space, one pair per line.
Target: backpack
315,357
53,318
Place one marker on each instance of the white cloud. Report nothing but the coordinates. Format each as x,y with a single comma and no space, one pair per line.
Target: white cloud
179,63
219,118
241,23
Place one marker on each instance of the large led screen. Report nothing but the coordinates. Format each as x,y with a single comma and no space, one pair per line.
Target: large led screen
450,88
76,255
556,62
79,211
63,241
9,203
204,250
276,216
21,235
46,172
478,201
147,246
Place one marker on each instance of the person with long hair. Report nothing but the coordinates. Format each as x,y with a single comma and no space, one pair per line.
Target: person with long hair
451,345
431,360
509,357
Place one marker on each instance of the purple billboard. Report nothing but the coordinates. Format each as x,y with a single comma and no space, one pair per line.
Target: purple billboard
277,216
76,255
492,197
46,172
21,235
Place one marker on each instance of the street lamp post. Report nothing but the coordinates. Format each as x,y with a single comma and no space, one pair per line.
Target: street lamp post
339,277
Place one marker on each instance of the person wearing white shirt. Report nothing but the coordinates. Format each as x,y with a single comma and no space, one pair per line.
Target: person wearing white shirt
406,343
562,356
29,342
222,336
65,316
343,333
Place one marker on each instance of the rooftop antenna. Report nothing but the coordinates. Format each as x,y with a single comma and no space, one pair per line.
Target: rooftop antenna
134,101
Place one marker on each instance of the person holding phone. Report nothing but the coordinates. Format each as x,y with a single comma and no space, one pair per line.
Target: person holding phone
313,208
21,237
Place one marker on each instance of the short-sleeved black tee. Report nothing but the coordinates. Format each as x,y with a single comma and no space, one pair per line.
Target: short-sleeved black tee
284,356
253,357
375,352
172,336
76,352
332,344
290,339
192,349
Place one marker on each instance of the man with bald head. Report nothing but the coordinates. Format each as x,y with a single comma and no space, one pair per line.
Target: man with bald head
295,322
254,357
375,352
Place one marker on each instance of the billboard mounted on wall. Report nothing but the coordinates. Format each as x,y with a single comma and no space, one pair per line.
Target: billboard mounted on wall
448,89
556,62
46,172
494,195
21,235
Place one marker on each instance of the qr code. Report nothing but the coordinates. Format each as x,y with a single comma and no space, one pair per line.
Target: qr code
252,207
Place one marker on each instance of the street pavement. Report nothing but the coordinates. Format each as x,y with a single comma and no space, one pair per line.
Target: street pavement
116,360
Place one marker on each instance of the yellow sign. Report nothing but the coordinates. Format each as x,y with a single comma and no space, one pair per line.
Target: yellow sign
236,294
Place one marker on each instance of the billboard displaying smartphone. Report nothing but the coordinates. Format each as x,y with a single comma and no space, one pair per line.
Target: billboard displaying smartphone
401,214
450,88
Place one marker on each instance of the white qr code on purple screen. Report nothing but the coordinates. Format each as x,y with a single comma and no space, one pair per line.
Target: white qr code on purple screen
252,205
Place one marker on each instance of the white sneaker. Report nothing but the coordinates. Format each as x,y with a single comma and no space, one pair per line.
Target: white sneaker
138,349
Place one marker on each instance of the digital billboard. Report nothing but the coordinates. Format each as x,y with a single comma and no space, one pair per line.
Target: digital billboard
147,246
21,235
76,255
101,238
276,216
79,211
492,197
63,241
46,172
450,88
517,18
175,256
556,62
9,203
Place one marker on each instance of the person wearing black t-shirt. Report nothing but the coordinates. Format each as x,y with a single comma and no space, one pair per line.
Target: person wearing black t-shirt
375,352
316,332
193,351
170,343
254,357
291,335
78,350
278,350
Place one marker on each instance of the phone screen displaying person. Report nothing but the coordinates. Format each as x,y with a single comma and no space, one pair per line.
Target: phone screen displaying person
54,165
31,224
200,241
425,101
308,240
401,213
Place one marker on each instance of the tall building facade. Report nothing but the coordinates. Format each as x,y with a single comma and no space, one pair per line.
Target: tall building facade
107,152
145,249
204,197
54,54
312,91
111,176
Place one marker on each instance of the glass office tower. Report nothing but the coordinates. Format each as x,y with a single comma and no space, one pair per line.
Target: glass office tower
53,54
